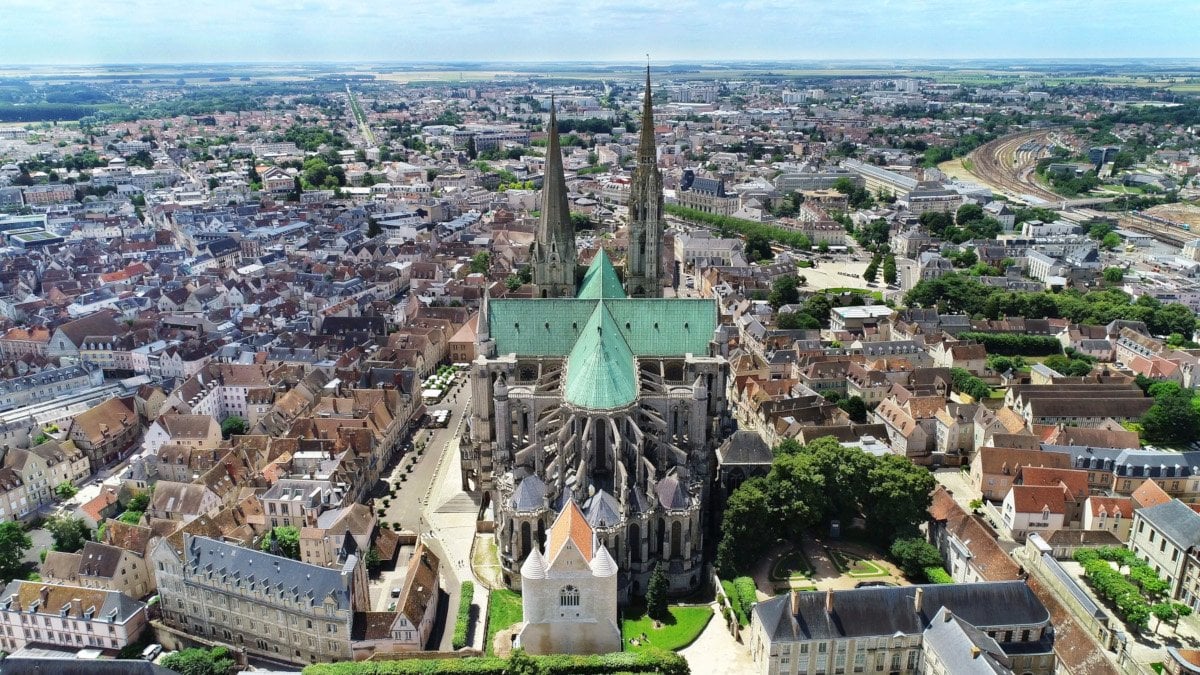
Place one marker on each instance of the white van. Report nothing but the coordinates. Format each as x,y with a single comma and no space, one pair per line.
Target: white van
150,653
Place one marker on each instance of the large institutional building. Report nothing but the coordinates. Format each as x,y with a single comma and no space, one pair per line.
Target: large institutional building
607,394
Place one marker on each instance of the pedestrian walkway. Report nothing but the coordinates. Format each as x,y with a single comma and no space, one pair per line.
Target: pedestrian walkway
715,652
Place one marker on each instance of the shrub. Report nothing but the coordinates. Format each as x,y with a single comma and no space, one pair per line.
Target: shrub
463,621
937,575
1015,344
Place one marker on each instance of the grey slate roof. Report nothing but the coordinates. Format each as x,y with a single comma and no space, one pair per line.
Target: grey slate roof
745,447
602,510
530,494
1175,520
956,641
203,556
885,611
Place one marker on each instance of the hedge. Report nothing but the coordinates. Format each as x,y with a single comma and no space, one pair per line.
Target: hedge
747,594
734,601
1015,344
648,662
463,620
937,575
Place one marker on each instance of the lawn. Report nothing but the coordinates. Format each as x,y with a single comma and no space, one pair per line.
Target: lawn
685,626
504,609
790,565
855,566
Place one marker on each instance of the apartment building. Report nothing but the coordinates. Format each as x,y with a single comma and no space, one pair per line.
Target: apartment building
64,616
274,608
889,629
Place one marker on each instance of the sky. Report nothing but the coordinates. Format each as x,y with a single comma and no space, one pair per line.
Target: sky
179,31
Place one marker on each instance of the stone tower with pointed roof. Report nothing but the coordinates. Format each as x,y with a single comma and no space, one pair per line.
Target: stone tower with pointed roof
569,591
611,402
554,249
643,268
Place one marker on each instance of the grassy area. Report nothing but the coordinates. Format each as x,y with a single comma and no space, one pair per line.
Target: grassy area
791,565
685,626
856,566
504,609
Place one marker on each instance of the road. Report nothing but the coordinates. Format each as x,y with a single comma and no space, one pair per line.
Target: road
418,508
360,118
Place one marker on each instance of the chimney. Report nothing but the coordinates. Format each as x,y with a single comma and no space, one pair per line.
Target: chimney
44,595
829,601
947,615
918,596
975,652
77,607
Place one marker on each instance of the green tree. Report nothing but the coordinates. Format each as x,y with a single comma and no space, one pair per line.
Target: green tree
287,537
14,542
784,291
968,213
872,271
65,490
898,496
758,247
70,533
1172,420
1114,275
481,262
234,426
889,269
139,501
195,661
1111,241
1169,612
746,531
656,594
472,152
855,407
373,228
913,555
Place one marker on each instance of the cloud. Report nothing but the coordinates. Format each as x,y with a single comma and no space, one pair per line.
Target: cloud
75,31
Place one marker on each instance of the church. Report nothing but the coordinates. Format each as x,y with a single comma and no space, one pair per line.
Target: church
606,395
569,594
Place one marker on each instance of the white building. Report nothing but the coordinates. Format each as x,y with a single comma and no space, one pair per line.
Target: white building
569,593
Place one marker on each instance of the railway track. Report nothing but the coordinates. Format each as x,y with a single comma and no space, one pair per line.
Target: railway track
1008,162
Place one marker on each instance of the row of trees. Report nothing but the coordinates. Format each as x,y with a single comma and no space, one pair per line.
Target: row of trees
809,484
1015,344
727,225
960,293
1133,592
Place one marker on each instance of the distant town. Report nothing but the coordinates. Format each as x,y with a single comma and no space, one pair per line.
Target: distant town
600,368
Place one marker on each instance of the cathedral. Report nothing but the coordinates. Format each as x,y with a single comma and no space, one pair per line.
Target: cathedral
606,395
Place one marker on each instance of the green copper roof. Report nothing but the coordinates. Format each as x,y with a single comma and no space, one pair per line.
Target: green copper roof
600,333
601,280
600,369
650,326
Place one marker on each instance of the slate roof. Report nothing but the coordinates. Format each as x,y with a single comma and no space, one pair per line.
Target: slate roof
885,611
301,580
964,649
1175,521
745,447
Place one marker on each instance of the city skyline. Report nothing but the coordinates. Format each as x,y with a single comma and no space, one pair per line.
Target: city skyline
141,31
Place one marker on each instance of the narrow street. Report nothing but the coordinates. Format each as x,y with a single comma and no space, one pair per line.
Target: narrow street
429,503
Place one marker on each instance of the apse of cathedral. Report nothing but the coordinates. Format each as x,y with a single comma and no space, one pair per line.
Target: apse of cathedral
606,394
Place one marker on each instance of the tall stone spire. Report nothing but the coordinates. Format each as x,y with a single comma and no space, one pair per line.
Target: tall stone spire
643,268
554,248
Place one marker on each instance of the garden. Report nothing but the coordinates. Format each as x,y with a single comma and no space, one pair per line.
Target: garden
1136,594
684,624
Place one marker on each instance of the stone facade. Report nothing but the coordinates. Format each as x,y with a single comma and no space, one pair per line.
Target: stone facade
569,592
